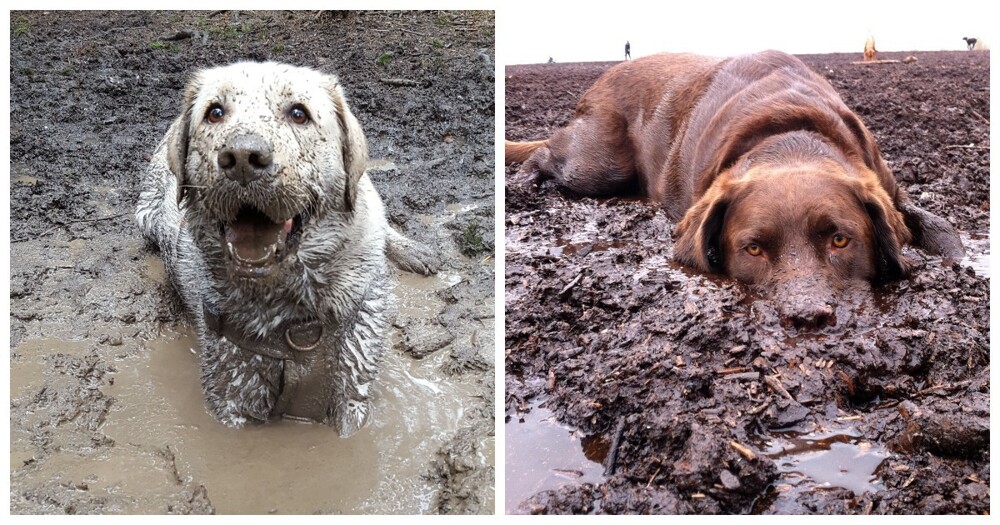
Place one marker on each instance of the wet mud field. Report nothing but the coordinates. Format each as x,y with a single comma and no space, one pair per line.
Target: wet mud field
106,412
634,385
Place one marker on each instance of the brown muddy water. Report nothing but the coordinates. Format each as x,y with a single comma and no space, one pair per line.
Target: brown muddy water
543,454
279,467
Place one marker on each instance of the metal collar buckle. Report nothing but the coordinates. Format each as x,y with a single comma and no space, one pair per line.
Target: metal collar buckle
292,331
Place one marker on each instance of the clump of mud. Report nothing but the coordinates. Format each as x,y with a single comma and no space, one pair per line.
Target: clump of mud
704,401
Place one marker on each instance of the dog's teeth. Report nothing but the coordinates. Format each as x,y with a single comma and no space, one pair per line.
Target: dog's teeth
234,253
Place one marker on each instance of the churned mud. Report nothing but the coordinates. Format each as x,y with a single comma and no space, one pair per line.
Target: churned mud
107,414
661,390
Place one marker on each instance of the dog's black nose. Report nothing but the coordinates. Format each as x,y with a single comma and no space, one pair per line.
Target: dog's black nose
809,316
245,158
806,302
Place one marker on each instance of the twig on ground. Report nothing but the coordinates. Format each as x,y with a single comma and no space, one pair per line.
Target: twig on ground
565,291
984,119
743,450
615,443
775,384
400,82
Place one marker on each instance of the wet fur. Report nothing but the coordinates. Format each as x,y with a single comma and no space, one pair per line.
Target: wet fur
340,266
695,133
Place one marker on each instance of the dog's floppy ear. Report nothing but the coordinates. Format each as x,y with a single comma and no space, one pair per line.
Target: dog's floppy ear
353,145
928,231
177,139
887,241
699,236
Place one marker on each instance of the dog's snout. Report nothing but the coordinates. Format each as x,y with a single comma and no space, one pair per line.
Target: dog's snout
807,302
810,314
246,158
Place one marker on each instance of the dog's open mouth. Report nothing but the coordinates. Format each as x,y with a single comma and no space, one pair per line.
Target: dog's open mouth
255,245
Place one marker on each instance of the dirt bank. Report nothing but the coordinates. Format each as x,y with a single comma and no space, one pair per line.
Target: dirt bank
106,415
686,392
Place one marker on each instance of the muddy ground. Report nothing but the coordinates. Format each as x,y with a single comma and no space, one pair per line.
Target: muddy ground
710,405
106,415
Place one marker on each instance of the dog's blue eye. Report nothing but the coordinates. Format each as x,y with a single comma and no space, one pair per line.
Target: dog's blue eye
215,113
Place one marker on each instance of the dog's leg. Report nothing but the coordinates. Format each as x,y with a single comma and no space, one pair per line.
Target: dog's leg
238,385
410,255
357,358
161,219
591,156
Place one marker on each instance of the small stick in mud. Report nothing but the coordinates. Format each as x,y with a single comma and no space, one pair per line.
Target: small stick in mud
775,384
615,443
760,408
400,82
744,376
653,477
565,291
984,119
743,450
967,146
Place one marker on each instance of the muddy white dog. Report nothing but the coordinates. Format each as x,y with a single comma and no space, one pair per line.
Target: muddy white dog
276,241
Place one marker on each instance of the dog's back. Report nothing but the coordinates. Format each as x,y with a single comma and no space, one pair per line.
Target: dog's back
750,98
663,123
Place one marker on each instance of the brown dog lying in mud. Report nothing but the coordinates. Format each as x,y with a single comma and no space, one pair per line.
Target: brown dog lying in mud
775,181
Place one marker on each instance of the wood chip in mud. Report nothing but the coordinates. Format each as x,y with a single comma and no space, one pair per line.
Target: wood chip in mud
565,291
775,384
743,450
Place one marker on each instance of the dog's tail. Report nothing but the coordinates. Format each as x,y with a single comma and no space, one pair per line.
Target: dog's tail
520,151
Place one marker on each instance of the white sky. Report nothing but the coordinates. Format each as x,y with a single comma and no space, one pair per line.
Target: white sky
532,31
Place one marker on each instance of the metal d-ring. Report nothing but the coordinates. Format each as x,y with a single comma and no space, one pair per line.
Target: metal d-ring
288,339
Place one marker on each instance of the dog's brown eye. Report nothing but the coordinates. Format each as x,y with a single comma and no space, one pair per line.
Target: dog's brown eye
215,113
754,249
298,114
839,241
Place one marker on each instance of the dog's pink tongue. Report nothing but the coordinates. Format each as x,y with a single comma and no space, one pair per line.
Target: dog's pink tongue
255,240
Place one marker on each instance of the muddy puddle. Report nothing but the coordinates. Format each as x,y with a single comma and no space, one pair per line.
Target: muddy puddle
542,454
977,252
164,435
838,457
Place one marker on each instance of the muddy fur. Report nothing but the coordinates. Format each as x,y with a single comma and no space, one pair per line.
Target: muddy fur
774,180
338,275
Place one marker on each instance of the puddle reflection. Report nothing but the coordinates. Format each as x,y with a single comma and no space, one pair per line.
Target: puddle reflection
542,454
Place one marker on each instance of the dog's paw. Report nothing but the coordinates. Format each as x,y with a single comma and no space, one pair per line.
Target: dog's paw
410,255
418,259
229,415
351,416
525,177
240,386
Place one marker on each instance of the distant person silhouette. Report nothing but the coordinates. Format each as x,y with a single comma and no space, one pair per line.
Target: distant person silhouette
628,50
